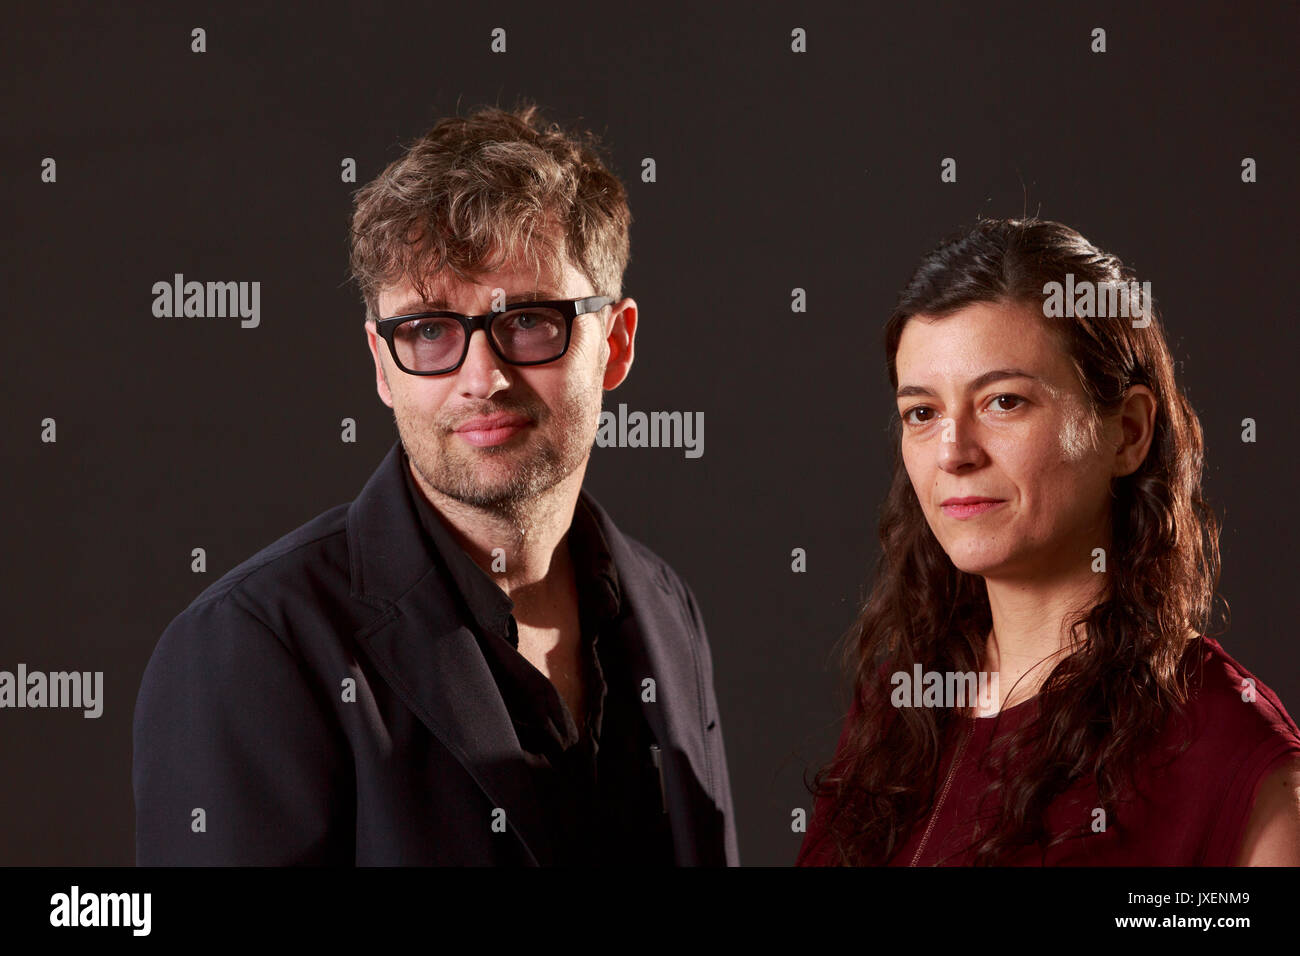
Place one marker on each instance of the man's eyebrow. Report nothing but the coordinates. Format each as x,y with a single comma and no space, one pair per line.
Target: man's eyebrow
413,306
975,384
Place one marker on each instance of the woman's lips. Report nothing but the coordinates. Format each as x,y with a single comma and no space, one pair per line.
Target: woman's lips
971,510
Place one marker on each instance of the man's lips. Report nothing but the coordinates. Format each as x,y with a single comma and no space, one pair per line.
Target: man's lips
492,429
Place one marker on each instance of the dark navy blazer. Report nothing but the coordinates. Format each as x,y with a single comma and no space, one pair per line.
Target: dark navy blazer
247,752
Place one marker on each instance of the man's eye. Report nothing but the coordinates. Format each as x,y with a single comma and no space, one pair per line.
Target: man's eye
1016,398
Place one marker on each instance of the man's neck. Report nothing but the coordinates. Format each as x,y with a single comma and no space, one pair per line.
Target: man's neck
524,550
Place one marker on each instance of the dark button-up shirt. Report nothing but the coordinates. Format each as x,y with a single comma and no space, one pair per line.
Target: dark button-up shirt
599,784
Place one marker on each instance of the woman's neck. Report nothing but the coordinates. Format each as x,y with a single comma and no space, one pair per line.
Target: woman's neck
1030,633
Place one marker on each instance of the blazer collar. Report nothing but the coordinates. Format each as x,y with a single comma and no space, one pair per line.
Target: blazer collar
425,649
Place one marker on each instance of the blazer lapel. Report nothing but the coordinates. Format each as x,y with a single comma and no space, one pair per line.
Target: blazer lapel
660,645
428,655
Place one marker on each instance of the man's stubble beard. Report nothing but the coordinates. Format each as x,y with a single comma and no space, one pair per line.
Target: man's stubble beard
456,469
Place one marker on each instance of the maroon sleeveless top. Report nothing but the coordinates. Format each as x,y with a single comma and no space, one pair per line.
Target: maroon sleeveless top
1191,808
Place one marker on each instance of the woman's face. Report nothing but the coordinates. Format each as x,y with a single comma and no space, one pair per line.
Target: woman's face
991,408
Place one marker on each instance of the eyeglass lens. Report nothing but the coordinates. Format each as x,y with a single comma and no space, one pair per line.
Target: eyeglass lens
522,335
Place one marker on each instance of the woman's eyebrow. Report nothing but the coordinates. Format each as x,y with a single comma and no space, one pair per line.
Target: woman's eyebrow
975,384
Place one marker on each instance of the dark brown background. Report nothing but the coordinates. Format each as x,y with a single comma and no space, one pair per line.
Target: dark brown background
775,170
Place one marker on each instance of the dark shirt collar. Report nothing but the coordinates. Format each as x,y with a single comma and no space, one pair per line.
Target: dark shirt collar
599,592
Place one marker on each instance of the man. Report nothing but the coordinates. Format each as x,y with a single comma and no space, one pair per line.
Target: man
469,664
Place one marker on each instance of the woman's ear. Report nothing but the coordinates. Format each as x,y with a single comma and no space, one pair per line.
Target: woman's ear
1137,420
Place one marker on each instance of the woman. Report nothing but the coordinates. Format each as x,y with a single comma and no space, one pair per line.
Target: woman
1077,583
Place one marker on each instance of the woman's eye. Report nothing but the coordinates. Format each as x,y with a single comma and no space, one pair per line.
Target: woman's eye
1007,396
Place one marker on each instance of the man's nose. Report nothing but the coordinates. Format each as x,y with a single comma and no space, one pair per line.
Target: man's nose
483,372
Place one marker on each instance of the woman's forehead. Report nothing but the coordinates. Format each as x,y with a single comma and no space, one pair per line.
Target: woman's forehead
973,340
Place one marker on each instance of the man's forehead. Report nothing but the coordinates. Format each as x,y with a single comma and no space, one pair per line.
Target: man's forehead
442,293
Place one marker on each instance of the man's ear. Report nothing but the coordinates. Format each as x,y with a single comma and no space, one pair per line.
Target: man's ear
377,347
620,337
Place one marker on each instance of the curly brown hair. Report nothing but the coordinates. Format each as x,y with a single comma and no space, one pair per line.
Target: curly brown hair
474,191
1102,707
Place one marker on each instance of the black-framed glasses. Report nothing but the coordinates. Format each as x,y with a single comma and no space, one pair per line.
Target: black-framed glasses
526,333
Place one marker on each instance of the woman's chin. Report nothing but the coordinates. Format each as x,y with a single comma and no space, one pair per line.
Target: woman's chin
977,562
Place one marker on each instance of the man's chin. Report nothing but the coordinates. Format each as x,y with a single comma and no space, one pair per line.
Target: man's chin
487,499
490,484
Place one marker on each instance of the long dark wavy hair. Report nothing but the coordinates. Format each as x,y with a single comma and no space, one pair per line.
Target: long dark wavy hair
1103,705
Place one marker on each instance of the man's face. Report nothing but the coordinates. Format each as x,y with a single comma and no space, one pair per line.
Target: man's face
494,435
1027,443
